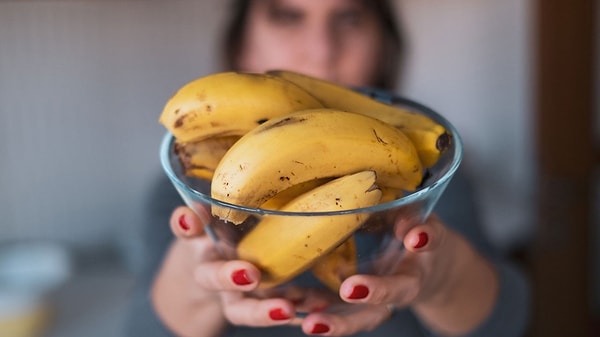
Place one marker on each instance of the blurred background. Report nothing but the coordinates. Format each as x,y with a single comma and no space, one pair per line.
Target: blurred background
82,83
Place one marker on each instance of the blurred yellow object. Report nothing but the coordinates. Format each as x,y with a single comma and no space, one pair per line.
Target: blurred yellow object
23,316
30,274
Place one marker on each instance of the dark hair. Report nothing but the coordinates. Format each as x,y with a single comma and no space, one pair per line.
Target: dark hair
383,9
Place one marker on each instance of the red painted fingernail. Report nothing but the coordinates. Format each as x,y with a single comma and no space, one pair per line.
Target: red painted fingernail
359,292
240,277
320,328
278,314
183,224
423,239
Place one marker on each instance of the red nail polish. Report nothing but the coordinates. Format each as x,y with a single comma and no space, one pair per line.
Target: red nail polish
359,292
240,277
320,328
278,314
183,224
423,239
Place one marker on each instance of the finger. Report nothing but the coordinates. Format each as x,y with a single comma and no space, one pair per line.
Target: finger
402,225
234,275
308,300
425,237
364,318
249,311
400,289
185,223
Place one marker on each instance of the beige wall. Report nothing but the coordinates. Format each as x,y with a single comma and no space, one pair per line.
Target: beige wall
81,86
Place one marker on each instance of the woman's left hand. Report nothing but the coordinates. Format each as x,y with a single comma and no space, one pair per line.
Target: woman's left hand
440,277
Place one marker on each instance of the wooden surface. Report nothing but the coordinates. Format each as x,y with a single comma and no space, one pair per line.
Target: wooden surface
564,111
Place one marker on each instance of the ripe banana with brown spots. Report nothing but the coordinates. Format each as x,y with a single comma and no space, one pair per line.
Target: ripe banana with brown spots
430,138
308,145
285,246
200,158
231,104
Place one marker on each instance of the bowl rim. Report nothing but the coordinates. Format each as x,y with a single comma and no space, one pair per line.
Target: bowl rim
168,139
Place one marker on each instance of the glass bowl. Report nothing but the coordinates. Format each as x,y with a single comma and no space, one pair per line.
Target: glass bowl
374,248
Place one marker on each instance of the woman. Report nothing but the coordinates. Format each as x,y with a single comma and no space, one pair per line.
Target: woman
449,283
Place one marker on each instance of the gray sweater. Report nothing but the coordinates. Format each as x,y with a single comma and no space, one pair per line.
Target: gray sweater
458,209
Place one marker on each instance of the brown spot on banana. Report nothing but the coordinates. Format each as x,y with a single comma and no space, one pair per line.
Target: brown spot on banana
201,96
379,139
179,121
285,121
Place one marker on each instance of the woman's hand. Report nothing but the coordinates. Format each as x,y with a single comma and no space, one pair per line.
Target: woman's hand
440,277
196,293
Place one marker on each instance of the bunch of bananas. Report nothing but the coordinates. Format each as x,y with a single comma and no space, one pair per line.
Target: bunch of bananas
287,141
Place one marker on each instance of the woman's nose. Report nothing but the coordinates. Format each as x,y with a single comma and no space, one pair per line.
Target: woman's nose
320,52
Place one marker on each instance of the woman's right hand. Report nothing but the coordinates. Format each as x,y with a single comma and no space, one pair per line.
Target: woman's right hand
196,293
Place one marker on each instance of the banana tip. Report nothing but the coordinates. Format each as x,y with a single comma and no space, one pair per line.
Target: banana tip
443,142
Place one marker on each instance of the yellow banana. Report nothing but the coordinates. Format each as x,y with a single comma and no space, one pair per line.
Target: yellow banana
336,266
200,158
390,194
230,103
430,138
282,246
340,263
285,196
307,145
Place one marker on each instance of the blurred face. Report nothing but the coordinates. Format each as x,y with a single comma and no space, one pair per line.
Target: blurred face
338,40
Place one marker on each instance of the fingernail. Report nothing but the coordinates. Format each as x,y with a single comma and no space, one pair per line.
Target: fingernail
359,292
423,239
183,224
240,277
320,328
278,314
